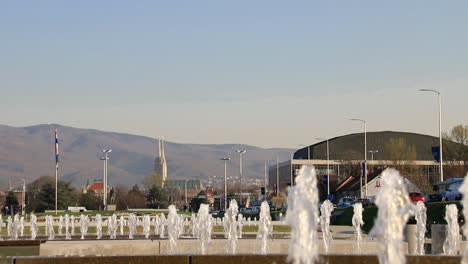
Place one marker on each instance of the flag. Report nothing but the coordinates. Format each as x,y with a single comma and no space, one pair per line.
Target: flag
56,149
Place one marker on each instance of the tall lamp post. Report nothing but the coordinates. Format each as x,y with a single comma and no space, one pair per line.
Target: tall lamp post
440,129
372,152
225,182
240,173
291,170
106,168
365,153
328,165
265,182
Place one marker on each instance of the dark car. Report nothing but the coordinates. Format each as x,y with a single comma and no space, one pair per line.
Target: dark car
364,201
435,197
416,197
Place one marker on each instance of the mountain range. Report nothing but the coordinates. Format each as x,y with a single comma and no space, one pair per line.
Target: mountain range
28,153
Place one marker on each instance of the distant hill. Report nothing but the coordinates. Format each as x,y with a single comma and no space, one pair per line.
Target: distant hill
28,152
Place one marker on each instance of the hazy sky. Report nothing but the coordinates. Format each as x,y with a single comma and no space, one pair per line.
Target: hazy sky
267,73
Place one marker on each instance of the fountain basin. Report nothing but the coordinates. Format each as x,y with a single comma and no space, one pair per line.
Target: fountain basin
216,259
189,247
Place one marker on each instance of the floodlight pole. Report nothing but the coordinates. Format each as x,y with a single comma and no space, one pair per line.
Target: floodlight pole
439,96
240,174
365,154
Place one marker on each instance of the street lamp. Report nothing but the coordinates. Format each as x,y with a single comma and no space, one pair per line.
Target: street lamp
365,153
372,152
225,182
106,167
291,169
240,173
440,129
328,165
186,200
265,182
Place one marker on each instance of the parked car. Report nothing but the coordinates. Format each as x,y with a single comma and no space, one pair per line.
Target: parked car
416,197
435,197
345,202
364,201
452,192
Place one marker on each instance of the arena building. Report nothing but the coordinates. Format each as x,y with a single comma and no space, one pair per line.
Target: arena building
411,153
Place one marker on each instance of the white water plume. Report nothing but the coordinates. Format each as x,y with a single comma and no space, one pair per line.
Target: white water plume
33,226
358,222
421,218
84,222
231,226
453,230
395,208
464,190
172,228
204,227
72,225
302,215
265,227
98,226
326,210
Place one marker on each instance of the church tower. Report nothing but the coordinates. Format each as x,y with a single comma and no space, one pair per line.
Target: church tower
160,165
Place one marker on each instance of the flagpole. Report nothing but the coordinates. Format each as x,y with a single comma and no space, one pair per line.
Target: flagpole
56,176
56,169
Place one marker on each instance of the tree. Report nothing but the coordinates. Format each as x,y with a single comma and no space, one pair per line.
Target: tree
135,198
154,179
402,155
398,150
11,201
456,150
41,194
121,193
89,200
157,197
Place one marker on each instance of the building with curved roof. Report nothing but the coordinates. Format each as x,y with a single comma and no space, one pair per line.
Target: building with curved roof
411,152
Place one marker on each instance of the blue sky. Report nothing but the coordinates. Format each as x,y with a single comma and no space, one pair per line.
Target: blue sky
267,73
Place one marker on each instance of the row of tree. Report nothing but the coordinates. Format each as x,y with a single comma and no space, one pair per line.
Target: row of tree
40,196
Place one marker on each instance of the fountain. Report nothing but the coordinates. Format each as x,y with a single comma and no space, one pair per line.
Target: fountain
21,226
112,226
395,208
453,230
162,225
240,224
464,190
146,226
50,227
132,222
72,225
326,210
84,222
15,227
231,226
173,231
302,215
420,227
67,223
204,228
122,224
98,226
264,227
156,223
33,226
357,224
60,225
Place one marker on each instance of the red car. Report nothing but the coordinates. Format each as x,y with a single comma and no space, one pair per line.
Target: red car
416,197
